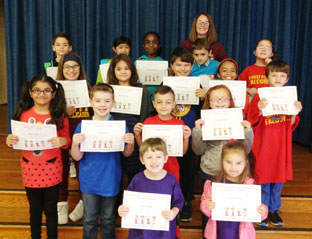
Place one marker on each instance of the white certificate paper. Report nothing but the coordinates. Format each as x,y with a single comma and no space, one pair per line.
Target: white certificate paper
171,134
184,88
280,100
222,124
52,72
204,81
76,93
145,210
33,136
152,72
127,99
237,88
104,68
103,135
236,202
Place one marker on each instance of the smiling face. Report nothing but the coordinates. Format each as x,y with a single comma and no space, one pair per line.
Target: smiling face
123,48
123,73
227,71
202,26
151,45
42,93
154,162
102,102
234,164
61,46
181,68
164,105
219,99
264,50
277,78
71,70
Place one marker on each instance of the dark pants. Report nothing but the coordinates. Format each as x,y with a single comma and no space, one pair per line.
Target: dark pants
204,176
95,206
43,200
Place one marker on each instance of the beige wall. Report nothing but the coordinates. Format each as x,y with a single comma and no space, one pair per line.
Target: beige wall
3,75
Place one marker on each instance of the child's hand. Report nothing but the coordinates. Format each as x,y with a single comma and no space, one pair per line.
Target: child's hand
70,110
246,124
199,123
267,60
211,77
262,104
298,106
58,142
128,138
252,91
137,130
78,138
262,210
210,205
170,214
200,93
123,210
187,132
11,140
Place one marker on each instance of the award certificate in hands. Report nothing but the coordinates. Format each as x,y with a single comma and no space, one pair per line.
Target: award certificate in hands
145,210
184,88
152,72
222,124
280,100
33,136
236,202
76,93
237,88
104,68
103,135
127,99
171,134
52,72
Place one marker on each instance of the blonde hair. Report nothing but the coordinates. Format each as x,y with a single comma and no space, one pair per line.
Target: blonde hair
155,144
217,87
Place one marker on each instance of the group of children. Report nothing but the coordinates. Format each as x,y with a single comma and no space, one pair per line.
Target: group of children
147,164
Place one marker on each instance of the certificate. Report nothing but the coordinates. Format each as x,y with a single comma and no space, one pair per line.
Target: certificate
171,134
33,136
104,68
281,100
222,124
236,202
152,72
237,88
204,81
184,88
145,210
76,93
103,135
52,72
127,99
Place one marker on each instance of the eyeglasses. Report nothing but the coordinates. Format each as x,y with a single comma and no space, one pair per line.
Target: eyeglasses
75,68
217,99
203,23
267,48
44,91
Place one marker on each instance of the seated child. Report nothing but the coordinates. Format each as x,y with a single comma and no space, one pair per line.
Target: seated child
154,179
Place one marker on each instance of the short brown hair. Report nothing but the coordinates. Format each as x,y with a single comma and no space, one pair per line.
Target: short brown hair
101,87
277,66
164,89
201,43
61,35
217,87
155,144
183,53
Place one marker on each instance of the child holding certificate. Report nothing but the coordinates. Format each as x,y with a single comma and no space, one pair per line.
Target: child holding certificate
42,102
154,179
70,68
272,160
122,72
234,169
100,172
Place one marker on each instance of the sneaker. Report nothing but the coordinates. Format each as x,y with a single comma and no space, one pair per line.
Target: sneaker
275,219
264,223
77,213
62,212
186,214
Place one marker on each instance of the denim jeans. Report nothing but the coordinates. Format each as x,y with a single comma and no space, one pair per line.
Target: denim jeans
95,206
271,195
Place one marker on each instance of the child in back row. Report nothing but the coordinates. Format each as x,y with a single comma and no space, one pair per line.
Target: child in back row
272,148
100,173
42,102
155,179
234,169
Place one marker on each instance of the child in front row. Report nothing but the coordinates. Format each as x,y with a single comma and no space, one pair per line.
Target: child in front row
42,102
234,169
100,173
154,179
272,148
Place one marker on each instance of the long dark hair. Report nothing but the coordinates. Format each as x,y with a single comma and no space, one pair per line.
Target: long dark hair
57,105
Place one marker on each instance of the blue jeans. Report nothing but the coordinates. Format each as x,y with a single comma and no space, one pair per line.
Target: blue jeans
95,206
271,195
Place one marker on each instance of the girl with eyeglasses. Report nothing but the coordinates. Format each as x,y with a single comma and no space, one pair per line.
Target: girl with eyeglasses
42,102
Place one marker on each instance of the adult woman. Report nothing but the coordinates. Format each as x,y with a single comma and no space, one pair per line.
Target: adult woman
203,27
